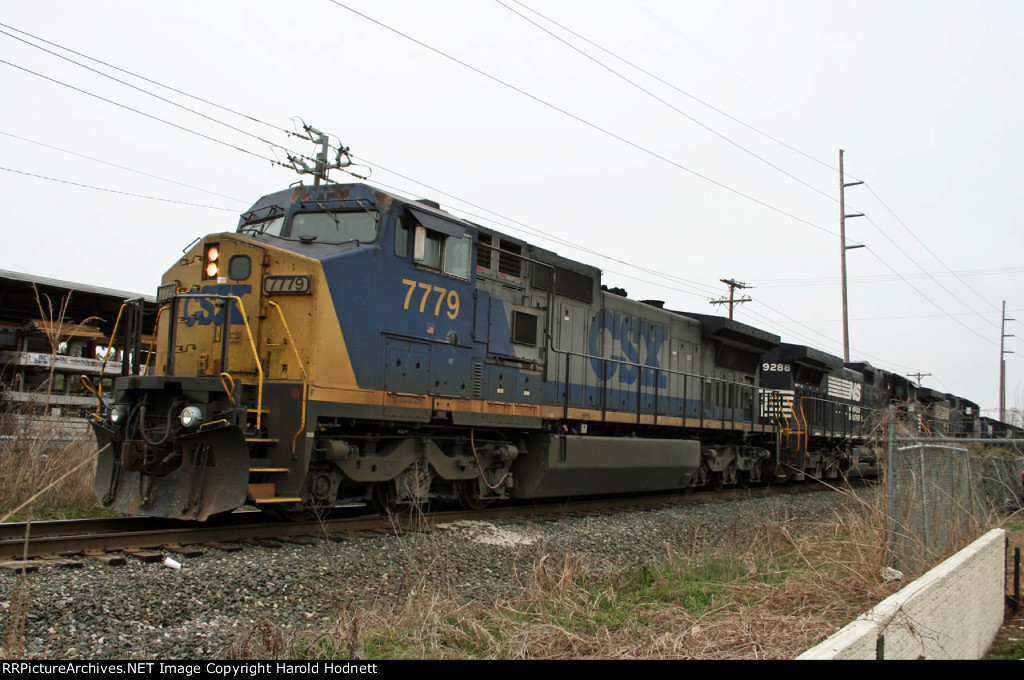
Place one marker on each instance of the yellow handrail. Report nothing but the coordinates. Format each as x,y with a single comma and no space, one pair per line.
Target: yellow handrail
252,346
98,391
152,341
255,355
806,433
230,391
305,381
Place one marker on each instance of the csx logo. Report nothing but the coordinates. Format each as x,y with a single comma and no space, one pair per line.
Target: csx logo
632,342
211,310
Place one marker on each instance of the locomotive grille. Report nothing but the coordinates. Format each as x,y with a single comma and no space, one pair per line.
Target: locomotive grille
478,380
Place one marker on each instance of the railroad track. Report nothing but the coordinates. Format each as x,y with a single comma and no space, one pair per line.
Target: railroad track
98,537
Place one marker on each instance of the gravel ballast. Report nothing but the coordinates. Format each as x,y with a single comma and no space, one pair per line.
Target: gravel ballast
217,599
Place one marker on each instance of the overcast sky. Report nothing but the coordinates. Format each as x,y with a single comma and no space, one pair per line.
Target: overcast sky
721,161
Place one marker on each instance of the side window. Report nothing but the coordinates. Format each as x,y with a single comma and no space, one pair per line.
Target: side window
450,254
402,237
456,256
430,253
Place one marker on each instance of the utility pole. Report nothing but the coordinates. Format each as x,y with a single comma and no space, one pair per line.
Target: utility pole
918,376
842,253
1002,364
731,300
320,165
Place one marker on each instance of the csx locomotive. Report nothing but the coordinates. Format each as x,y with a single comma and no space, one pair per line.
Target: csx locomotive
345,345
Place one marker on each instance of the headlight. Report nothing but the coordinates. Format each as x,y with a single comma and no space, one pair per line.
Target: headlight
191,416
117,413
211,261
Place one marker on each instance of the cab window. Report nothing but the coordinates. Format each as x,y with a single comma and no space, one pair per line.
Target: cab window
448,254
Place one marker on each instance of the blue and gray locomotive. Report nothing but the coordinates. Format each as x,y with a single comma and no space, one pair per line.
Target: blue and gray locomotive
346,345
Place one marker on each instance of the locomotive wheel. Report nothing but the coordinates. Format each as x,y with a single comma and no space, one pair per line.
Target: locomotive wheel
717,480
466,492
743,479
703,477
304,513
384,494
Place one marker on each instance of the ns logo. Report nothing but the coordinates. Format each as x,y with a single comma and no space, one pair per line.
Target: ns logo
631,342
211,310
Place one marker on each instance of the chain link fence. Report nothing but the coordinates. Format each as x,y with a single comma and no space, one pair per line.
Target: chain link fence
944,493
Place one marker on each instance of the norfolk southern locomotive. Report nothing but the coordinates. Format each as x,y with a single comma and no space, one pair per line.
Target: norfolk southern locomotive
347,345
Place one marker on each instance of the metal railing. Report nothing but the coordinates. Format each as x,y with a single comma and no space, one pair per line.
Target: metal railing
733,403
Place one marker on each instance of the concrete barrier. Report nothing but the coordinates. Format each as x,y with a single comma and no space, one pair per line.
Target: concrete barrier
952,612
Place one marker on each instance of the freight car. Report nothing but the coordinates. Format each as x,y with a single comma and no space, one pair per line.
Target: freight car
348,345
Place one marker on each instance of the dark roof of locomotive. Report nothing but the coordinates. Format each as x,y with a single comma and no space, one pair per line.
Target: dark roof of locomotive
734,333
802,354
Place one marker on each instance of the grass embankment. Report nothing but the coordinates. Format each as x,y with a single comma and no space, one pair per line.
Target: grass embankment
768,590
44,478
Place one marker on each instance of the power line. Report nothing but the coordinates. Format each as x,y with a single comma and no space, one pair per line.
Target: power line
915,263
628,142
676,88
930,251
932,302
135,87
148,80
142,113
663,22
579,119
655,96
120,167
541,101
882,278
117,191
523,227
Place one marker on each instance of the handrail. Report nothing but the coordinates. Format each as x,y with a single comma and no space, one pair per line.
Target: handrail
305,381
156,329
807,427
656,370
778,402
103,367
226,335
228,389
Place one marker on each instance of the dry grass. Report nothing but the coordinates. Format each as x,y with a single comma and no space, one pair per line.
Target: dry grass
769,589
40,469
29,465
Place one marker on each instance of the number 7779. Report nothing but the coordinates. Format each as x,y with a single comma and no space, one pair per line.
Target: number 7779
449,297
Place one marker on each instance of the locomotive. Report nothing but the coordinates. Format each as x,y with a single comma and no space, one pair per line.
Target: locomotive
345,345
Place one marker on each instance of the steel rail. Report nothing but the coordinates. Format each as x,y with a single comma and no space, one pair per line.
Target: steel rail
76,537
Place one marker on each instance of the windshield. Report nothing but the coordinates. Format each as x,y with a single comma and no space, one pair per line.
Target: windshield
334,227
272,227
322,227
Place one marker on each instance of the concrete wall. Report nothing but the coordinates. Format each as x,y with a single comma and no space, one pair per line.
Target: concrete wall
952,612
